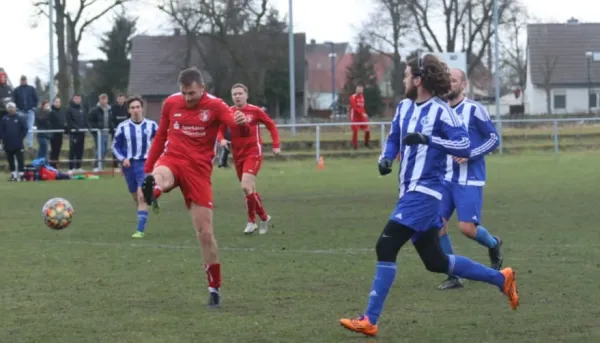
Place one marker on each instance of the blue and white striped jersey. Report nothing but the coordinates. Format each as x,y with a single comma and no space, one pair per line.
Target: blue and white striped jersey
132,140
422,167
484,139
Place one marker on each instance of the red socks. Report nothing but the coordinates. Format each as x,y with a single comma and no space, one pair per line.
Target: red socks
367,137
251,207
260,210
355,139
157,192
213,274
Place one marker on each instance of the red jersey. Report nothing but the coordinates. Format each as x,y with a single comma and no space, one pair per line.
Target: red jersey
357,107
252,142
190,133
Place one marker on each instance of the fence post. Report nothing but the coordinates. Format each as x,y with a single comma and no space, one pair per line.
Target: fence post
556,145
382,140
318,142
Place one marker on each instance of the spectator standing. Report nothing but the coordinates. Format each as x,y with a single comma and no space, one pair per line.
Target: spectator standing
100,118
119,114
6,93
26,100
58,122
77,124
42,123
13,130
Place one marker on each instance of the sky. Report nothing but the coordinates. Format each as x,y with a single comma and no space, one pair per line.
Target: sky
322,20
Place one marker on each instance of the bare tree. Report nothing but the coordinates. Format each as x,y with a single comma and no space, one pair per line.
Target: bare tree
547,69
386,29
59,27
514,49
70,28
477,33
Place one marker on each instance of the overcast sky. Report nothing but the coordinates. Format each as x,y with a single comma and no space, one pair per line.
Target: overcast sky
336,20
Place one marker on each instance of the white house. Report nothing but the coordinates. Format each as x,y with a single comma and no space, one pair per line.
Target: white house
563,77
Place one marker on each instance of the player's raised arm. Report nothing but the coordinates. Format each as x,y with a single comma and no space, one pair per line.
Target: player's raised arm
158,144
392,144
119,145
455,140
271,126
488,130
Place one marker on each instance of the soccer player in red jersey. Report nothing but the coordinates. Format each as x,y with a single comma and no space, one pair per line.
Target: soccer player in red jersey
181,156
248,155
359,116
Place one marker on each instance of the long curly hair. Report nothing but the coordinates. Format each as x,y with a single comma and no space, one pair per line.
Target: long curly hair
434,73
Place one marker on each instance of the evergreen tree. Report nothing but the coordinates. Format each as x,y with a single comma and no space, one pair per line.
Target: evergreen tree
362,71
111,75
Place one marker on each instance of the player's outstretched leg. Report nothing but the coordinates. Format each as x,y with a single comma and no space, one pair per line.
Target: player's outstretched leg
393,237
428,247
452,282
481,235
265,218
161,180
202,218
254,206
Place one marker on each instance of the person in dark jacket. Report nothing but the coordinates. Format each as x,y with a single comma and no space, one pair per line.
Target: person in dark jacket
42,123
13,130
26,100
100,119
58,122
77,125
6,92
119,114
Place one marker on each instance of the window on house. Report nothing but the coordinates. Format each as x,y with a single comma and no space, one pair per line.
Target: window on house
559,101
593,100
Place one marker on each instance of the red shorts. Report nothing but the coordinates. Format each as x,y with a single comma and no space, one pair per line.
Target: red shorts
194,184
361,124
248,165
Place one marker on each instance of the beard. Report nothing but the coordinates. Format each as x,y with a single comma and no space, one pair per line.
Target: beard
411,93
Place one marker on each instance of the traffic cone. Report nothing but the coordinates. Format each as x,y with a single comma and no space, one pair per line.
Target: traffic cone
321,164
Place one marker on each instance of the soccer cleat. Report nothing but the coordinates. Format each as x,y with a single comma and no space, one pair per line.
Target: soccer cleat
250,228
155,206
452,282
496,255
148,189
510,287
214,299
138,234
362,324
264,225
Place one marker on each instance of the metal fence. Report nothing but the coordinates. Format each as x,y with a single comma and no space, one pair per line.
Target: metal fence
516,135
533,134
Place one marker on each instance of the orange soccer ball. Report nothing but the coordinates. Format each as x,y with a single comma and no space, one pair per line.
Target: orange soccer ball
58,213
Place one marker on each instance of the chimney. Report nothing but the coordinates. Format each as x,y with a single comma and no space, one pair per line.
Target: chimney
313,42
177,32
572,21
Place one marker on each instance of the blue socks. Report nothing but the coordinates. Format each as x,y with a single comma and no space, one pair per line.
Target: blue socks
463,267
483,237
446,244
142,219
384,278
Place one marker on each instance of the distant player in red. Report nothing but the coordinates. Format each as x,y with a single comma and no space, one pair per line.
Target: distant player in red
248,154
359,116
181,156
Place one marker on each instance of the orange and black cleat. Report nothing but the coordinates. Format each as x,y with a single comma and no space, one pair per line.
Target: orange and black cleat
362,324
510,287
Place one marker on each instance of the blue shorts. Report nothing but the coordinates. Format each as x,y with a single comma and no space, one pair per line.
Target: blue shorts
467,200
418,211
134,175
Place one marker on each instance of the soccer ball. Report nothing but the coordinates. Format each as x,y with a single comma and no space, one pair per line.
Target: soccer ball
57,213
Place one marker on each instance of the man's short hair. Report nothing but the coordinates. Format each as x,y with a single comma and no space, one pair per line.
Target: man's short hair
240,85
103,96
188,76
11,105
133,99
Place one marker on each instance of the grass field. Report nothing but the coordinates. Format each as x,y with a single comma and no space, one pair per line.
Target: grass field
91,283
